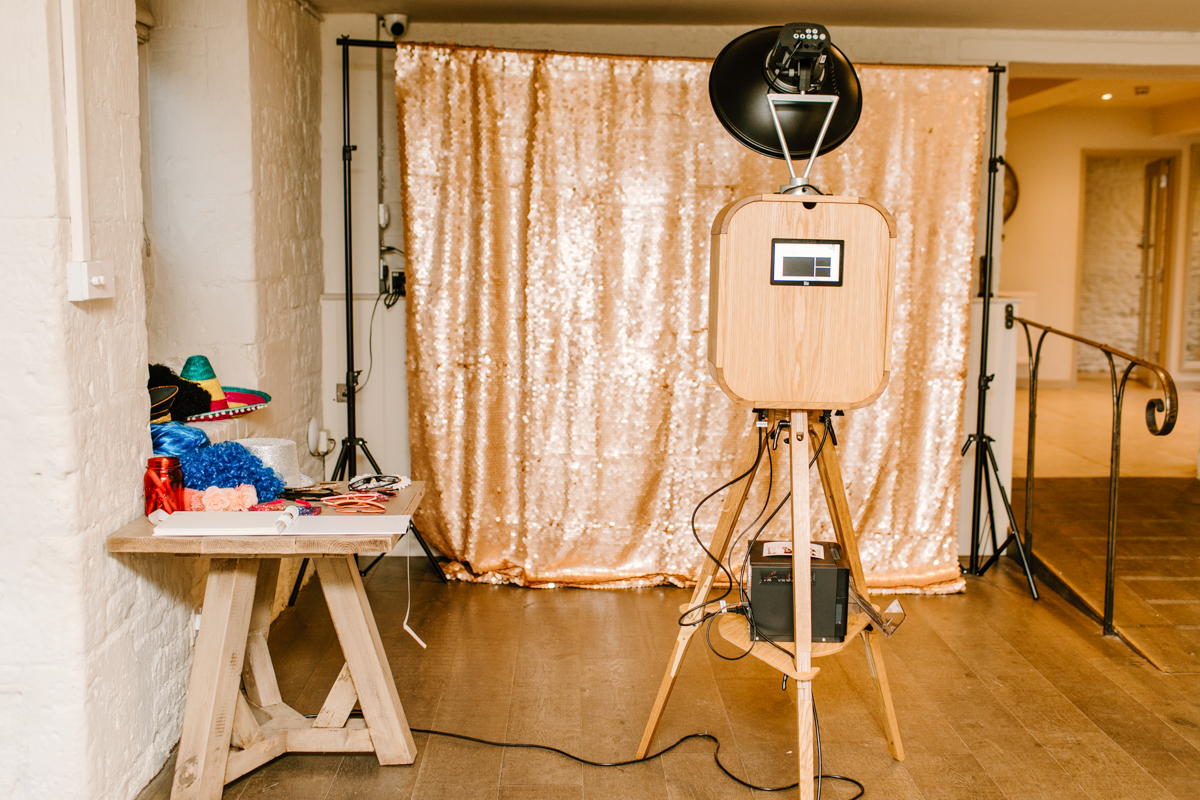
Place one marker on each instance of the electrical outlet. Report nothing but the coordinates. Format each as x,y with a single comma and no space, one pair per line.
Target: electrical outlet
398,283
342,395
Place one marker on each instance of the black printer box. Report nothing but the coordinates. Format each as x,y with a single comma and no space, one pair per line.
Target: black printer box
771,593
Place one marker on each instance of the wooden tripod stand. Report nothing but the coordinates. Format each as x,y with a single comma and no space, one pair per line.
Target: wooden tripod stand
735,628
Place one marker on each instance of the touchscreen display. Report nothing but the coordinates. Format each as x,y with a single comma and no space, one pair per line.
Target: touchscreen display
807,262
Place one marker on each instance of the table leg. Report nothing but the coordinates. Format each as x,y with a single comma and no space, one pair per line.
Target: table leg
359,637
262,689
216,675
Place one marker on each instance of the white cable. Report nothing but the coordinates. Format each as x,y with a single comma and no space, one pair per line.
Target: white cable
408,610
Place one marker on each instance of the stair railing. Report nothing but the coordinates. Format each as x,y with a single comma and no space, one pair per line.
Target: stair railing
1168,405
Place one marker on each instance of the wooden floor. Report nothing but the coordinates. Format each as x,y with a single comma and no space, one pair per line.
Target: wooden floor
1074,431
997,696
1157,597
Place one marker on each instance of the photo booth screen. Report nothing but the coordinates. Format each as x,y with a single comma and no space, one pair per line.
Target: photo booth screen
807,262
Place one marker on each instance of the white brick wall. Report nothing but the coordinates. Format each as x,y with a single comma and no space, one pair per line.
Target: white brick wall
97,648
233,87
84,633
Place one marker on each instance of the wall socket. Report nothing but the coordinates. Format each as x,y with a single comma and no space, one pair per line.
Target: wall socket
342,395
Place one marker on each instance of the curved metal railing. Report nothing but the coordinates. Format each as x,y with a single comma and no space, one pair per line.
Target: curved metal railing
1168,405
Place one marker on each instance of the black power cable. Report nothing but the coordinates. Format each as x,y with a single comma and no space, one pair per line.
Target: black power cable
744,606
707,618
762,443
708,737
705,736
827,419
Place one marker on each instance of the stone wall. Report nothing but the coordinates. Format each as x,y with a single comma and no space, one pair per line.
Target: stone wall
1111,271
234,232
1191,310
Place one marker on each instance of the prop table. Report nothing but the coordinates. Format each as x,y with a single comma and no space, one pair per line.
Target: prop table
228,730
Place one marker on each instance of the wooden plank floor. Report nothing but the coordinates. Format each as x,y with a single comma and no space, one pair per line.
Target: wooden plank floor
1075,425
998,696
1157,597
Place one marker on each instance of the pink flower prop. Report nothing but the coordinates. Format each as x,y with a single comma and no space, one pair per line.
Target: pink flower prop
216,499
240,498
246,495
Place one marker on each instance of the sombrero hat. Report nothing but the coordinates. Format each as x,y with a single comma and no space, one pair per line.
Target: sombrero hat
227,401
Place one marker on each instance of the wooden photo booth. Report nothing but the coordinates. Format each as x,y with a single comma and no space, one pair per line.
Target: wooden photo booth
800,318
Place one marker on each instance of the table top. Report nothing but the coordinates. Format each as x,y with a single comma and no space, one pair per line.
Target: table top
138,537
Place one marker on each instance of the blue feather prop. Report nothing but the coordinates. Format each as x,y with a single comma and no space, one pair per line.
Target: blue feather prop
227,465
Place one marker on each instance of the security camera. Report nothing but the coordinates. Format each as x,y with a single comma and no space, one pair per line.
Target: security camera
396,24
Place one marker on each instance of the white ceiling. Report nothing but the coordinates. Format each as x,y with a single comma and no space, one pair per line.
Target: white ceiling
1156,15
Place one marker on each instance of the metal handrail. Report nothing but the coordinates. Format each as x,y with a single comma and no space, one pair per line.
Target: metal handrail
1169,405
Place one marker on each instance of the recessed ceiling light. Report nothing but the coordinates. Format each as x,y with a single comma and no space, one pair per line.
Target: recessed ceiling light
1106,96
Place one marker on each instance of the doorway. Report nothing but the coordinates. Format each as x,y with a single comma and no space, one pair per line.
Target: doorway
1157,235
1129,202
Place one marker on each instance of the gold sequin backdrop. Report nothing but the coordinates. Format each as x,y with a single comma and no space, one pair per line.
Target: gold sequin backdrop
557,211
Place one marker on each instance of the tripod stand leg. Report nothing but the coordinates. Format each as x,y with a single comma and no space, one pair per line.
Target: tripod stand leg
362,443
339,469
843,526
1015,532
991,511
437,568
299,580
708,573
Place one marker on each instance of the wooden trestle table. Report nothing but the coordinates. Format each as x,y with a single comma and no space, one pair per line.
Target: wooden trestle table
235,719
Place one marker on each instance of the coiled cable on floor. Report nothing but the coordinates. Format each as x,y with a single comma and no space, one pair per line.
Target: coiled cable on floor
708,737
705,736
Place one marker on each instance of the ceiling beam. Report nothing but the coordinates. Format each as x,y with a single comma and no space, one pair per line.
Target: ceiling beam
1054,96
1177,118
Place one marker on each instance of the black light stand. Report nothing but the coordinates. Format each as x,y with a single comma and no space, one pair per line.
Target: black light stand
985,457
347,461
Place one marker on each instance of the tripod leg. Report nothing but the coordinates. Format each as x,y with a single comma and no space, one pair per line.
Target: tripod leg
362,572
299,579
802,603
991,511
1012,523
997,549
843,526
437,568
708,573
362,443
874,641
339,469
